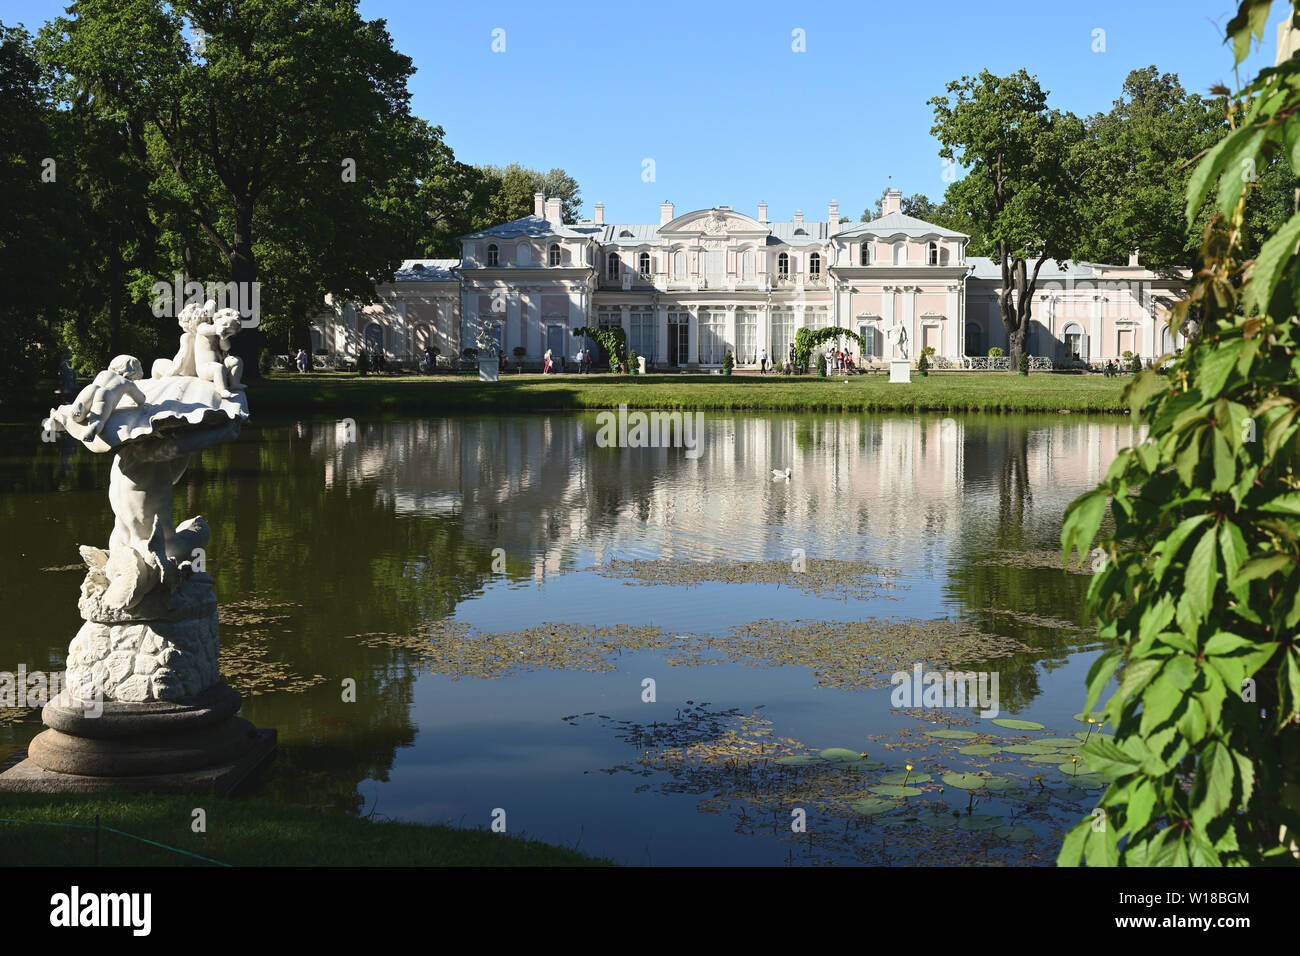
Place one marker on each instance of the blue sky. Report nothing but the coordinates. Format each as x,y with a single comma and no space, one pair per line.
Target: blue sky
726,109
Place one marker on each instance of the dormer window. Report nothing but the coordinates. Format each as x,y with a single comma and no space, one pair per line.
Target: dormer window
900,253
815,264
493,255
643,265
554,254
783,266
801,232
932,254
614,266
625,234
864,254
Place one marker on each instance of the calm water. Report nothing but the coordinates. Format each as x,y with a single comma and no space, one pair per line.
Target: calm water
340,557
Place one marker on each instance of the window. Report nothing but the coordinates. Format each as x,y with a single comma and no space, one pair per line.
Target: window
523,254
713,336
679,264
815,264
643,266
747,265
494,255
1076,349
932,254
782,335
783,265
973,346
555,254
615,266
642,340
864,254
872,342
900,253
801,232
746,337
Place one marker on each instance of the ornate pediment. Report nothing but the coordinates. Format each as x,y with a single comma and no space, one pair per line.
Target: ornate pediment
714,223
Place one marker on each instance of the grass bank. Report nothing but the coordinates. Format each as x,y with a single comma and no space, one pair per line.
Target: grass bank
246,833
340,393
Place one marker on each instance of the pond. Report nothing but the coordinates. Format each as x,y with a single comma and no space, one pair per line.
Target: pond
658,655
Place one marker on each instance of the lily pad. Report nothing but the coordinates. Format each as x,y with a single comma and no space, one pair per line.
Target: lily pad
935,820
992,782
798,760
966,781
906,777
951,734
1015,833
1089,781
1030,749
1014,723
1060,743
1075,768
870,806
1051,756
1095,735
1083,717
979,821
861,764
893,790
979,750
840,754
1028,795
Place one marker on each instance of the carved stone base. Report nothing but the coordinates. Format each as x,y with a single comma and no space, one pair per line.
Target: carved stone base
900,370
144,660
192,746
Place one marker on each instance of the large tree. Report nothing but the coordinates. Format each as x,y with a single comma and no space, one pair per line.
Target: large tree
1020,189
245,100
512,187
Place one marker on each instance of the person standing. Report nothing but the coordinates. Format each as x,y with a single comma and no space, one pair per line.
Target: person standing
762,362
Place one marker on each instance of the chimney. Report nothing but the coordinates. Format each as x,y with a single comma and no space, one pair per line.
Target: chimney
539,205
553,211
833,214
762,212
798,217
600,214
893,202
665,212
1133,258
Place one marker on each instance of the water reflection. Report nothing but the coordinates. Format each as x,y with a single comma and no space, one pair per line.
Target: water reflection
388,525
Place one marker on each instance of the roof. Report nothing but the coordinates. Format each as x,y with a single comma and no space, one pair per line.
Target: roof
535,227
427,270
986,268
895,223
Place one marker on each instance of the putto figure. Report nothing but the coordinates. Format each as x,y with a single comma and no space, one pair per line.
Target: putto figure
96,403
212,360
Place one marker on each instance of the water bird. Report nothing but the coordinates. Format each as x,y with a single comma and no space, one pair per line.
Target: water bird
778,475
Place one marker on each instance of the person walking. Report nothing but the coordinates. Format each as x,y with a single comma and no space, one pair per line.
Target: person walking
762,362
546,363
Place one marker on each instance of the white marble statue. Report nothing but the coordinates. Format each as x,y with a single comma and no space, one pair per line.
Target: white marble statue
150,629
896,335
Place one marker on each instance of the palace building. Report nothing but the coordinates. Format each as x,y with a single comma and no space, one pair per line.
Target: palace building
691,287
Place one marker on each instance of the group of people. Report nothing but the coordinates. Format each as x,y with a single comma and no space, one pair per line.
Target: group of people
839,361
582,362
1111,368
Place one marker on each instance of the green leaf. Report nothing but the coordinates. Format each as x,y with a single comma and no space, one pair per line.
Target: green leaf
1212,789
1168,549
1263,566
1082,519
1072,847
1273,255
1202,576
1141,801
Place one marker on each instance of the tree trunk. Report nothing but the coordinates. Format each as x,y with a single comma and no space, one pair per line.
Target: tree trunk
243,270
1016,302
114,295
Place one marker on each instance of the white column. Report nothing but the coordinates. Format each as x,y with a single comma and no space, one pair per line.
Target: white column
909,320
730,344
955,326
625,320
1094,328
661,334
693,337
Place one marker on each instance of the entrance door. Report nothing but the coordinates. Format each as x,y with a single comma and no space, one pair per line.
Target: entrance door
678,342
374,337
555,342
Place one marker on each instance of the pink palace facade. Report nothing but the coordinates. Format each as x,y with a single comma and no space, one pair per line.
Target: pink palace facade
693,286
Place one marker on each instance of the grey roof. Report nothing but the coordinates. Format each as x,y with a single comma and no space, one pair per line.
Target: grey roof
785,232
535,227
640,233
427,270
895,223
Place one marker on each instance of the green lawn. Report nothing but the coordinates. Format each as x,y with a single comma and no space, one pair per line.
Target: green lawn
247,833
341,393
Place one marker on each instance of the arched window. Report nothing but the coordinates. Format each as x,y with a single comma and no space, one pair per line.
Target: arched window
900,253
932,254
523,254
864,254
555,254
815,264
614,266
783,265
494,255
643,264
679,264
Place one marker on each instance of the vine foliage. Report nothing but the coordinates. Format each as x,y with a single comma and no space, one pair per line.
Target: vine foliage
613,340
1199,580
805,340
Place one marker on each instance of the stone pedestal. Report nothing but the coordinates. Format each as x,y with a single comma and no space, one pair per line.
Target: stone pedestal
191,745
489,370
900,370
